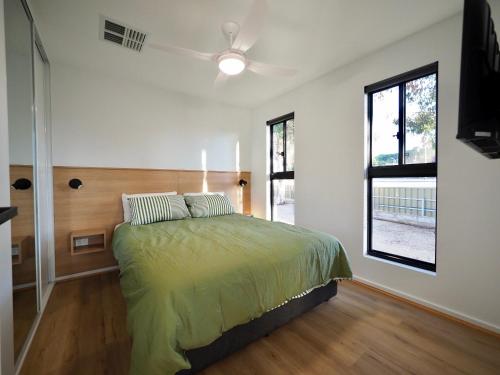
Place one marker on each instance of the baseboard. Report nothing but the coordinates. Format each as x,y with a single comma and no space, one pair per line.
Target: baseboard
32,332
23,286
86,273
431,307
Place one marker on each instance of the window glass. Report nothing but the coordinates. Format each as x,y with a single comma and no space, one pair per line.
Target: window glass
420,126
282,169
278,152
385,126
284,201
404,217
402,196
290,145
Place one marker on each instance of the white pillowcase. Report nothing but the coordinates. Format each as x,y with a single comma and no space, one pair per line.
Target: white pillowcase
127,213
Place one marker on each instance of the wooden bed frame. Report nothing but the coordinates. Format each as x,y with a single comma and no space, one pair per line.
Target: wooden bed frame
242,335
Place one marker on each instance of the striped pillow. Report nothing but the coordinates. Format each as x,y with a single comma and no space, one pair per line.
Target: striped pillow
154,208
208,205
127,216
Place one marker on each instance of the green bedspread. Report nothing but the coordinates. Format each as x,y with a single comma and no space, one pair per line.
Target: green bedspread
188,281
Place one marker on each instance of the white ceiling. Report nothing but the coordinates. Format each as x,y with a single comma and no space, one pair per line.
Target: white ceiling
314,36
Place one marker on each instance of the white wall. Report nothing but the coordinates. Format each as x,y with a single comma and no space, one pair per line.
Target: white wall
330,141
6,332
102,121
20,100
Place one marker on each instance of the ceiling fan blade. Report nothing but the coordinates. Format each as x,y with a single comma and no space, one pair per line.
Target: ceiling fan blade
270,70
220,79
251,27
184,52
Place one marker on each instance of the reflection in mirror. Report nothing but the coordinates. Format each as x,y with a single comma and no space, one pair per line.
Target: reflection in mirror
44,169
20,98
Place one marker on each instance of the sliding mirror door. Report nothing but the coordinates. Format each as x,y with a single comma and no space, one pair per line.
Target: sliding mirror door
44,168
18,39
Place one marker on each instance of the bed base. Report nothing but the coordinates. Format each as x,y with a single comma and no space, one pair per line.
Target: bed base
242,335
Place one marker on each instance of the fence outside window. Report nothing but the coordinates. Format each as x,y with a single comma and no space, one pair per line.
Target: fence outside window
414,205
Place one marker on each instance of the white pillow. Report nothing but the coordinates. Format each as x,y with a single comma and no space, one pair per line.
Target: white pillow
127,214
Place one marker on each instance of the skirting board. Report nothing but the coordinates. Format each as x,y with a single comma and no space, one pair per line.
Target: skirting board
23,286
432,307
86,273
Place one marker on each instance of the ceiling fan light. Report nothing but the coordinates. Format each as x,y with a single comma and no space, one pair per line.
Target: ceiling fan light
232,64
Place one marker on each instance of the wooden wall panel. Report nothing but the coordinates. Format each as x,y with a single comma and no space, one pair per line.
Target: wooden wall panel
97,205
22,224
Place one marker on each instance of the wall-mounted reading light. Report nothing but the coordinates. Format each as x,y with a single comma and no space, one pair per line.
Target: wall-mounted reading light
75,183
243,183
21,184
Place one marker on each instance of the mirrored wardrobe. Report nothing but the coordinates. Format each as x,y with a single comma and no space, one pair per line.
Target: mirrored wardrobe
30,169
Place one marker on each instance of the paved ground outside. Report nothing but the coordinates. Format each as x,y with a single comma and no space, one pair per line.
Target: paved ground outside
284,213
405,240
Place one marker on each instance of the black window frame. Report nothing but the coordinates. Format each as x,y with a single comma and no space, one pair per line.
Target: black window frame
401,169
284,175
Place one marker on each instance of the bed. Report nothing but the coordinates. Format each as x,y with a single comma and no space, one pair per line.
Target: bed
199,289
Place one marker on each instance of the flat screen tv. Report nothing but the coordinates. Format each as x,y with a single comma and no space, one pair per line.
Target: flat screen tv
479,113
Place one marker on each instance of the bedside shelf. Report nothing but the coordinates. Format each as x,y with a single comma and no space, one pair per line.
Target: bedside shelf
17,250
87,241
22,249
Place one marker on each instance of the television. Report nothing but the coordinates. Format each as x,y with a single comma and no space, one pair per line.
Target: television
479,105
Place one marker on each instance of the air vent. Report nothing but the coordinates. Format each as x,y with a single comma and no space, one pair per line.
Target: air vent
121,34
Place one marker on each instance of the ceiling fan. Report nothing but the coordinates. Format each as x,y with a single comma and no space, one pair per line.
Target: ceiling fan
233,60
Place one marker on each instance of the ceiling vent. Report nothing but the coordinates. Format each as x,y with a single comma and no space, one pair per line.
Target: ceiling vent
119,33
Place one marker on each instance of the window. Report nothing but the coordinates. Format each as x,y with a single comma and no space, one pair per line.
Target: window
402,168
282,160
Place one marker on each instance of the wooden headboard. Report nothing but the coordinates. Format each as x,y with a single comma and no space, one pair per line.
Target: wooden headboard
98,205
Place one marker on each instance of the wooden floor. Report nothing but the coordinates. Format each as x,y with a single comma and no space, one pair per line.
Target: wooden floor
360,331
25,310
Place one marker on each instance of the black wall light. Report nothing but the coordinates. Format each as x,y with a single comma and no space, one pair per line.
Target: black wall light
243,183
21,184
75,183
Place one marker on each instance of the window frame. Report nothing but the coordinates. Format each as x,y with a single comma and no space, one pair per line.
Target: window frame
284,175
401,169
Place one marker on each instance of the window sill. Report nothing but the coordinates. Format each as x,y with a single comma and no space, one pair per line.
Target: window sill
430,273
